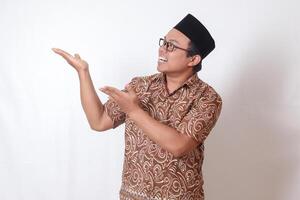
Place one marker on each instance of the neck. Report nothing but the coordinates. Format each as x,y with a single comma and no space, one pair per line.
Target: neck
176,80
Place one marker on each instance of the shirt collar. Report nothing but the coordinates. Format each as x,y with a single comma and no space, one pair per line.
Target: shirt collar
190,82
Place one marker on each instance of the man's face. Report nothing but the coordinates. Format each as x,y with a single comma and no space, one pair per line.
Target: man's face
177,60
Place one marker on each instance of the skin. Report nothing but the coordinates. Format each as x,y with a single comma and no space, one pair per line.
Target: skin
92,106
177,69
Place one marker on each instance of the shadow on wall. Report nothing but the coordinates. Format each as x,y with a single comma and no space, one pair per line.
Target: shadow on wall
253,153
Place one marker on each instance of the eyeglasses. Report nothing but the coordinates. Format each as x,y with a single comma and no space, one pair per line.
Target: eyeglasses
169,45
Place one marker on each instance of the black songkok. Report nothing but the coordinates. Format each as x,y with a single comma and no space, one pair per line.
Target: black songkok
197,33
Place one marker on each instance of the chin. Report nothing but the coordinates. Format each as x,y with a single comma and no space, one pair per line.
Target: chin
161,67
158,69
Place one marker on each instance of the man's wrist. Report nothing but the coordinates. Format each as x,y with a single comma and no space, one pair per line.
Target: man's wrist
83,71
134,114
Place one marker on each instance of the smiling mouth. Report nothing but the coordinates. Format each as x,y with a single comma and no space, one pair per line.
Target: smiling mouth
162,59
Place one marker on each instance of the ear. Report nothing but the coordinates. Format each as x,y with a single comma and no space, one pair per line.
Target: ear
194,60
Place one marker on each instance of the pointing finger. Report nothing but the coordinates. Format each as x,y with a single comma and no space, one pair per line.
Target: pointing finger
113,90
109,92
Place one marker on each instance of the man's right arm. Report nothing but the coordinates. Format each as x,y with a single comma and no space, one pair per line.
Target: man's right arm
92,106
97,118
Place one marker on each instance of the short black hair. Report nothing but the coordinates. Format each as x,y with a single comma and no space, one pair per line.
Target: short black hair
193,50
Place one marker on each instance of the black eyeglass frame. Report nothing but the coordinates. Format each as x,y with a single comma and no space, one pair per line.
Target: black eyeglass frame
170,44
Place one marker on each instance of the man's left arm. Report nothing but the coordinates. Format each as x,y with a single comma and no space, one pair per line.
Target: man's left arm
189,133
165,136
185,136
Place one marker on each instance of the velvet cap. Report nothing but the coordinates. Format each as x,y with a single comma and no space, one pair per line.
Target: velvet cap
197,33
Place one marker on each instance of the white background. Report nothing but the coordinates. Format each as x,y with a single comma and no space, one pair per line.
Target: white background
47,149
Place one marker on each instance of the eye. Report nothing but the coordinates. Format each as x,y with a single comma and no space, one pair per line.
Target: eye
170,46
166,43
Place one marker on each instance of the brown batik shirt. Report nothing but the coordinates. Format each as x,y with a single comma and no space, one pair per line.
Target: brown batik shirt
149,171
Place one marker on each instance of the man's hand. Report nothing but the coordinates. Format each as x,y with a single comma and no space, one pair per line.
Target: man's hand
127,101
75,61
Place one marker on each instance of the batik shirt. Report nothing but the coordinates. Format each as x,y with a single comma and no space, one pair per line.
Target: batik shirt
149,171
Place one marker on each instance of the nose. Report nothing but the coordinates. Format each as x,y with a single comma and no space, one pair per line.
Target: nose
162,50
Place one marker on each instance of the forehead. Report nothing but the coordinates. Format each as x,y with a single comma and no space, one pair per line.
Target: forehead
175,35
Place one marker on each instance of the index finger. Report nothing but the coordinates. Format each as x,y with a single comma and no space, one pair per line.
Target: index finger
112,90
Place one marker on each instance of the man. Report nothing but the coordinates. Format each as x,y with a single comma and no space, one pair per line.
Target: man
167,116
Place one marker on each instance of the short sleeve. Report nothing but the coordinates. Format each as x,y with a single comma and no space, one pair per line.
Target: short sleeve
202,117
113,110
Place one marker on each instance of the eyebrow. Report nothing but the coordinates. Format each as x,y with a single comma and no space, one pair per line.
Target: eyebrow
172,40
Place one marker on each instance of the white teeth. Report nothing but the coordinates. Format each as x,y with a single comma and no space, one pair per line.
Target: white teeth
162,59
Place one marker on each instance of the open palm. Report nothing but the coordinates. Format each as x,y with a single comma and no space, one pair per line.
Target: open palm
75,61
